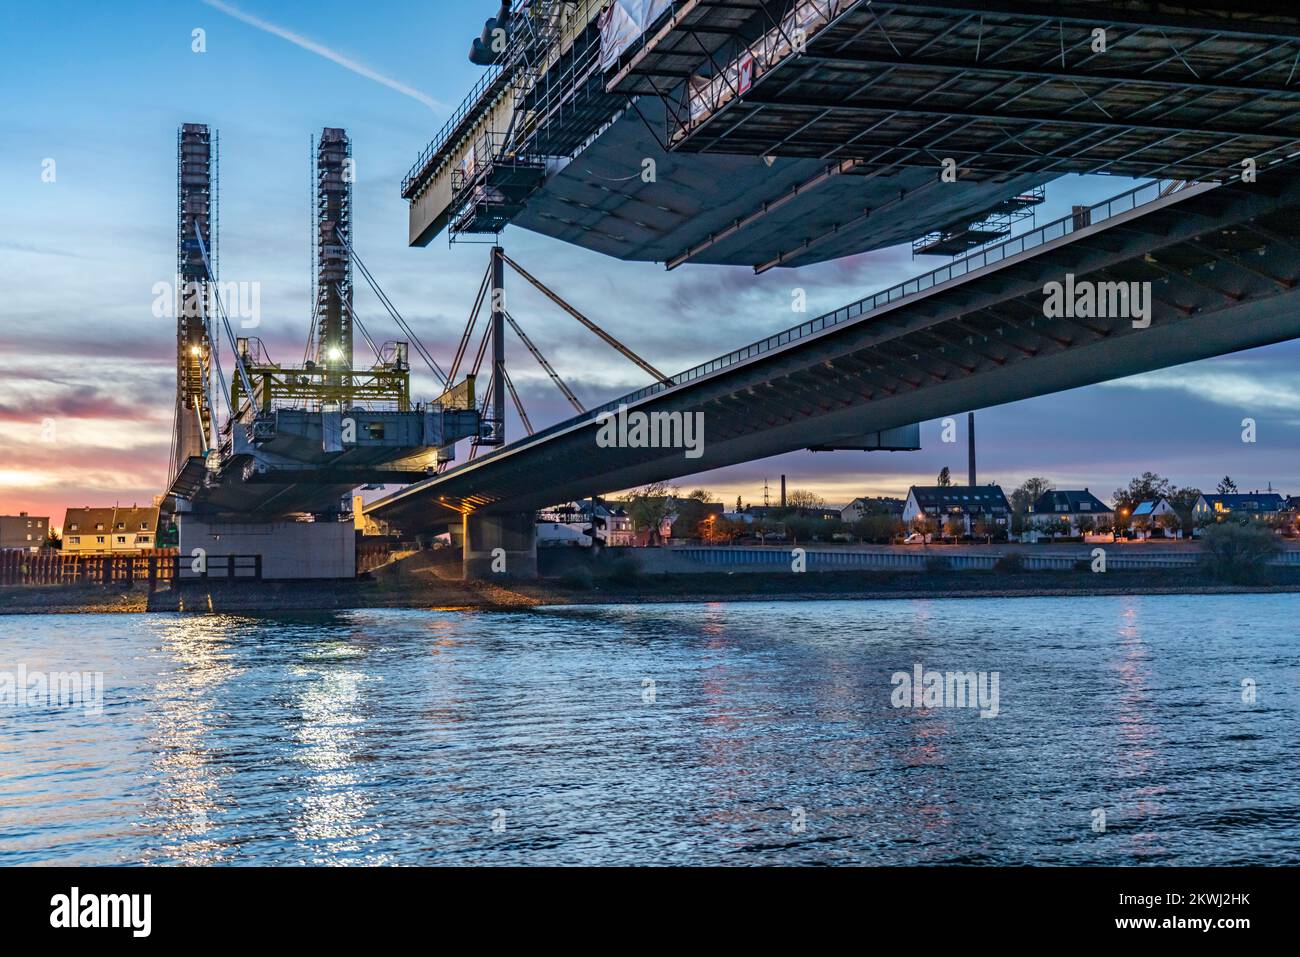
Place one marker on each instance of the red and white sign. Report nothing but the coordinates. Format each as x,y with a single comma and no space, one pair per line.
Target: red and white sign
746,78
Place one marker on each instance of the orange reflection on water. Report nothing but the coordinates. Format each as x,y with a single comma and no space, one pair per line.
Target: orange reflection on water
188,786
1134,733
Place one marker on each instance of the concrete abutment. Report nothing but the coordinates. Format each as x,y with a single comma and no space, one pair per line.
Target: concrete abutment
499,546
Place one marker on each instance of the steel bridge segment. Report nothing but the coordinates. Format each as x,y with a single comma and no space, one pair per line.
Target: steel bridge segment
737,209
713,208
1223,262
834,149
1005,86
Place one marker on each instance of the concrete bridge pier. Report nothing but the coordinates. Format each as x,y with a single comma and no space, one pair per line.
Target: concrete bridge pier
287,550
499,546
456,530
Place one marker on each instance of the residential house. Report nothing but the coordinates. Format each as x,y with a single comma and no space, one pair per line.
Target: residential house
857,509
615,525
971,503
110,531
1257,506
618,526
1148,517
1074,507
567,524
135,530
24,531
87,531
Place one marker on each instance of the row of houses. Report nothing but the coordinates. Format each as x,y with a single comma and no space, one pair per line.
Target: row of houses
1067,511
975,511
111,530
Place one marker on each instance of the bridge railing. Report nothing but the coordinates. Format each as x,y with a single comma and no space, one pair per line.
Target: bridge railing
470,104
1079,219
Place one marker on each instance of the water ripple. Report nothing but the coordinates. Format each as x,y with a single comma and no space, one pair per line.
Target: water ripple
747,733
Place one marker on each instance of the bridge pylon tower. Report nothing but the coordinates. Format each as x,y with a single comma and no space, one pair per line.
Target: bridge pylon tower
334,177
196,216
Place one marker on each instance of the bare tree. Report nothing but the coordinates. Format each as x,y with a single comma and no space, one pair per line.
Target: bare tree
802,498
1029,492
648,506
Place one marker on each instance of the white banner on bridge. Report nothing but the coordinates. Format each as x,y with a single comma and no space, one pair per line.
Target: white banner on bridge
331,423
433,432
622,22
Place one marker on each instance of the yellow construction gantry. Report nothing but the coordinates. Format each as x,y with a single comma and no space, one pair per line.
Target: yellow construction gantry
385,386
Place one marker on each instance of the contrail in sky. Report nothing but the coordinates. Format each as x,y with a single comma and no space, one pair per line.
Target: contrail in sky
347,63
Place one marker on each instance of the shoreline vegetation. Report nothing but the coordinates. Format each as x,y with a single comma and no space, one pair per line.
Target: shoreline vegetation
418,582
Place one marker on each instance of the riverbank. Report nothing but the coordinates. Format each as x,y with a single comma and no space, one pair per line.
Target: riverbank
431,586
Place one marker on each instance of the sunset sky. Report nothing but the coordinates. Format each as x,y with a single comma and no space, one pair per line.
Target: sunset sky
87,372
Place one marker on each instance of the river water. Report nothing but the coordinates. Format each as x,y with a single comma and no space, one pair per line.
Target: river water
1151,729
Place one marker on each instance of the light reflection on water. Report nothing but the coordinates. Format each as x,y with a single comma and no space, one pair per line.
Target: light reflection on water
376,737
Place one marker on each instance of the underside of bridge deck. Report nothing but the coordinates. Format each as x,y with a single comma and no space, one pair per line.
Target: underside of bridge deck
1222,264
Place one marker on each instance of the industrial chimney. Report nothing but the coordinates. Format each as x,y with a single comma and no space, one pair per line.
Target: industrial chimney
970,445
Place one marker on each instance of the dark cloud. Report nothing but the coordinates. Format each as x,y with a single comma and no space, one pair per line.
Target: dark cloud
81,402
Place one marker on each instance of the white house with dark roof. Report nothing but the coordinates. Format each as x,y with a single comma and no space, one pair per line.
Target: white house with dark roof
970,502
1146,515
1071,506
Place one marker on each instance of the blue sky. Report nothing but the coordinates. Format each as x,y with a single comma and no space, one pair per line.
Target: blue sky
86,370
